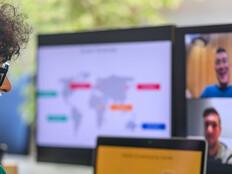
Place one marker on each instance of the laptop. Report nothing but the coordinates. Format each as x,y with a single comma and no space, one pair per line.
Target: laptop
150,156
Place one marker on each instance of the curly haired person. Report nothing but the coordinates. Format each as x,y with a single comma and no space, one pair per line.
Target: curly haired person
14,35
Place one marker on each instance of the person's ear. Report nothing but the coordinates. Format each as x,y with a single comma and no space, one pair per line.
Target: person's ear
220,128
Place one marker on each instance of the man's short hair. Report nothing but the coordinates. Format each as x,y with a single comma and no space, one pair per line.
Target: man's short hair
220,50
211,111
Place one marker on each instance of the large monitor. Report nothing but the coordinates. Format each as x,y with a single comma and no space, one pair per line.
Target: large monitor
103,83
207,55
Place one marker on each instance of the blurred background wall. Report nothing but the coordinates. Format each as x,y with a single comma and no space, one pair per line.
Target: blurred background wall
200,12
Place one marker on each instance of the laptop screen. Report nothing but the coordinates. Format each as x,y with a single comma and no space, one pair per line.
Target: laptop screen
124,159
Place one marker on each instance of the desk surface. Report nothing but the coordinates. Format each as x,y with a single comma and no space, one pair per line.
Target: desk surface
29,165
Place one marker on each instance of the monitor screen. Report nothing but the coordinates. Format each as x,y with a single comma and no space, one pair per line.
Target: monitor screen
88,88
208,90
150,156
156,160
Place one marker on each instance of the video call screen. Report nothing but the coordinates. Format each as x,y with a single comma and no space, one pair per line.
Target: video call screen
209,92
103,89
117,160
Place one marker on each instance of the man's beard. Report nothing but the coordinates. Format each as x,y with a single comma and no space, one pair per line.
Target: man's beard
213,145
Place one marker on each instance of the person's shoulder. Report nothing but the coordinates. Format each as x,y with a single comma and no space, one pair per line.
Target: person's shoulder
210,87
2,171
227,153
208,90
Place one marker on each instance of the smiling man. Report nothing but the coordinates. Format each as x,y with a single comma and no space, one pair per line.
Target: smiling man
218,152
222,68
14,34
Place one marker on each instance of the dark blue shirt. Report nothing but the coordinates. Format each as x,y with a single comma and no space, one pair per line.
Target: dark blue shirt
215,91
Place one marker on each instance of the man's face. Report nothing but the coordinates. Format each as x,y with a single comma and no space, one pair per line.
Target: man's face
212,129
6,86
222,67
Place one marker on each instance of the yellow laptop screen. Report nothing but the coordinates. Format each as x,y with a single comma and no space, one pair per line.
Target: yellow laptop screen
132,160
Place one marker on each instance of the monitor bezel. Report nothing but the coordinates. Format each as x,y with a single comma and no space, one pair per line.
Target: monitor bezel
83,156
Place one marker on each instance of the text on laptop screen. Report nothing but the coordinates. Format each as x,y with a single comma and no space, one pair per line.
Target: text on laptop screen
119,160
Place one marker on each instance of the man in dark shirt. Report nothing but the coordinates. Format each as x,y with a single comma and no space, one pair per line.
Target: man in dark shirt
218,152
222,68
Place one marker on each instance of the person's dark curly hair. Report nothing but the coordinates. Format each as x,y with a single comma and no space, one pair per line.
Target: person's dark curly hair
14,31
